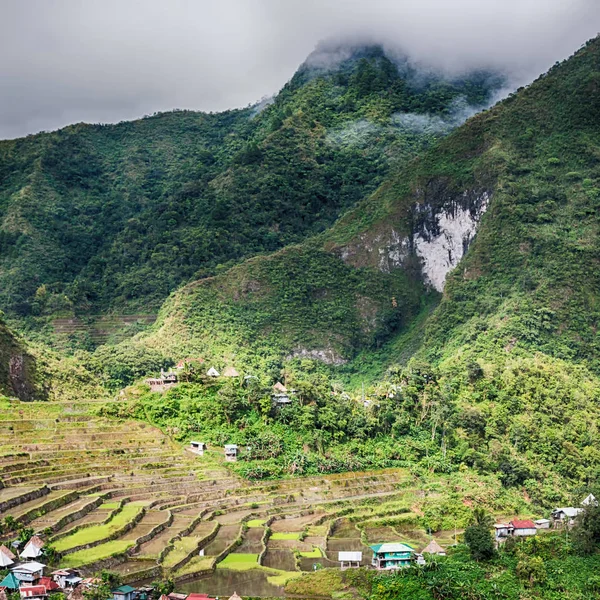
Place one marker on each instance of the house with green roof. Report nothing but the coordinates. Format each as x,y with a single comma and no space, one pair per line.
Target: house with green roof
125,592
393,555
10,581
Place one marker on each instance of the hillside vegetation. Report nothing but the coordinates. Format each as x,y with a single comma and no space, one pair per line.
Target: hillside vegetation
115,217
504,372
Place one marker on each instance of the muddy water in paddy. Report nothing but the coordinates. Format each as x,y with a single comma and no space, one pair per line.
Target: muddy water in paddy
224,582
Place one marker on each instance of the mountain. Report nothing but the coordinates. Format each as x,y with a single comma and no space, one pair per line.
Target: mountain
466,286
97,218
522,174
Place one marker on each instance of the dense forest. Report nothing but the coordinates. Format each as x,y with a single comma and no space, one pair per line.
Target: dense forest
115,217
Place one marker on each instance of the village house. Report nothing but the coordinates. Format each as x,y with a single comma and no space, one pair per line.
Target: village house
433,548
231,452
543,523
349,560
162,383
212,372
502,531
393,555
33,591
565,516
10,582
230,372
7,558
124,592
280,394
29,572
198,448
48,583
66,578
177,596
589,500
33,548
523,528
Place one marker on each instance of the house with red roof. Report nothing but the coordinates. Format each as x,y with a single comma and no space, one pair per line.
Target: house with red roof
523,528
33,591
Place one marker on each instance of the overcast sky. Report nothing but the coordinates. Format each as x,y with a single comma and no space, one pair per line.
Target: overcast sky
65,61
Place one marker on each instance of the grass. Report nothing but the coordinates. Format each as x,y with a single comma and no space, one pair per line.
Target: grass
256,523
283,577
294,535
85,557
319,583
239,562
110,505
198,563
182,548
95,533
314,553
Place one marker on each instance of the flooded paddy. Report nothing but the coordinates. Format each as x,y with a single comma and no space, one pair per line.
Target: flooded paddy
224,582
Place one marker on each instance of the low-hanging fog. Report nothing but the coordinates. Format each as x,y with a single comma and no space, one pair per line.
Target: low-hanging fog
64,61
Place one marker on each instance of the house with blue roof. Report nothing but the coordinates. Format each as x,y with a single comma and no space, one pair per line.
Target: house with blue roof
392,555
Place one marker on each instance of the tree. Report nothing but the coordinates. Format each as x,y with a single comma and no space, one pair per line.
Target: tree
478,536
586,533
163,586
532,570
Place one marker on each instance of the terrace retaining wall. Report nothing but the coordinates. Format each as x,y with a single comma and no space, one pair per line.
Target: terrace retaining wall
113,536
33,495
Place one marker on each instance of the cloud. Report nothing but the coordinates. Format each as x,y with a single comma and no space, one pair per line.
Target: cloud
64,61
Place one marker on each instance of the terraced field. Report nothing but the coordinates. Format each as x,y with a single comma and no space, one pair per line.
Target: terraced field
120,494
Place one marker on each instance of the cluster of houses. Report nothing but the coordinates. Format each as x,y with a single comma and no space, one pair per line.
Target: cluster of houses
391,555
168,379
560,517
26,573
29,580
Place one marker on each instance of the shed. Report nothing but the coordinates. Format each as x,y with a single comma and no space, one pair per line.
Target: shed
198,447
177,596
503,530
33,548
230,372
281,399
393,555
231,452
29,572
590,499
7,558
434,548
523,528
543,523
350,559
212,372
280,388
235,596
124,592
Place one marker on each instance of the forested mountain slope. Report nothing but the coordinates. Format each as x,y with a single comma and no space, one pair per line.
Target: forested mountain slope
525,170
115,217
504,373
